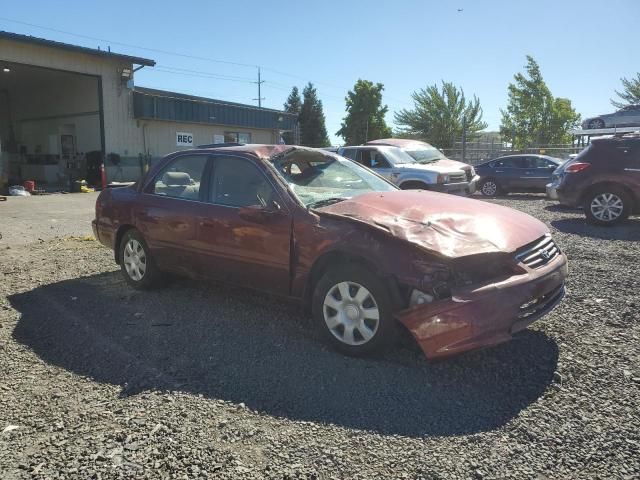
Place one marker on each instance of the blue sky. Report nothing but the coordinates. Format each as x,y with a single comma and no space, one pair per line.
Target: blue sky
583,47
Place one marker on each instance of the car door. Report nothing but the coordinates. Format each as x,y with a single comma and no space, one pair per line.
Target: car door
380,164
244,229
541,172
505,172
634,116
164,213
522,173
631,162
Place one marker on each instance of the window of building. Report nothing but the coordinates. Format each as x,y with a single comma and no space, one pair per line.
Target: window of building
237,137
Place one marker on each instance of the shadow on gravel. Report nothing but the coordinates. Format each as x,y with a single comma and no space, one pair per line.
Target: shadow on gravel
626,231
237,346
562,208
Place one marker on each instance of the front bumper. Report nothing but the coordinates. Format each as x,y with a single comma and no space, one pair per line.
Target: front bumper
488,314
458,188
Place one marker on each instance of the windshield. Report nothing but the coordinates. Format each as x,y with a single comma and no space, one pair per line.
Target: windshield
317,179
425,154
397,156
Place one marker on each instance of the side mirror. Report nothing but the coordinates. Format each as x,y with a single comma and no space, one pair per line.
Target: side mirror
260,214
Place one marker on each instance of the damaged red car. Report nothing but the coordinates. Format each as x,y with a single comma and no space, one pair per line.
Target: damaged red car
362,255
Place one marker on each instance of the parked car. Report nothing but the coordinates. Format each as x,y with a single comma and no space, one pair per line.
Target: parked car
604,179
628,116
426,154
399,167
357,251
516,173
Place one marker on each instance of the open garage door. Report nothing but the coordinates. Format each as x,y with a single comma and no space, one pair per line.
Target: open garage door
51,126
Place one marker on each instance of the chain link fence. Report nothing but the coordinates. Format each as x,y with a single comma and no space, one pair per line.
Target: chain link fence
487,148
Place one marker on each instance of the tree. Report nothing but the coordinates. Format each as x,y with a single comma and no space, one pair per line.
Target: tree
631,93
438,116
313,132
365,114
292,105
533,116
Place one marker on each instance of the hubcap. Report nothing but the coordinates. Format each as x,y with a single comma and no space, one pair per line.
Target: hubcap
351,313
489,188
607,207
135,260
595,124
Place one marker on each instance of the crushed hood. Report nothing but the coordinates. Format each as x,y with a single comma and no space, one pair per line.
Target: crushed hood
446,224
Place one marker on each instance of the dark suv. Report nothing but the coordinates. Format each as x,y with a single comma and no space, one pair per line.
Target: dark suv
604,179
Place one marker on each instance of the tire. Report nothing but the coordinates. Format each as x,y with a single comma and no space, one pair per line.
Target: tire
345,302
490,188
414,185
607,205
136,263
595,124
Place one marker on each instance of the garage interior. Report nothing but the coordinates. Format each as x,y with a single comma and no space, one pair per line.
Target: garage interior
51,127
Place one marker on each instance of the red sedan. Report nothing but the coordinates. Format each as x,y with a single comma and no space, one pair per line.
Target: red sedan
360,254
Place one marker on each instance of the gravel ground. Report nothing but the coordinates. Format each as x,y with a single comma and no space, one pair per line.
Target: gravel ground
203,381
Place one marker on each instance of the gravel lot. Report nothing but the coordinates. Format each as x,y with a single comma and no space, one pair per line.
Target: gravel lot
203,381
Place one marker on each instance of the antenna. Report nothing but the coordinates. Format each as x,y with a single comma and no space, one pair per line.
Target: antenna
260,97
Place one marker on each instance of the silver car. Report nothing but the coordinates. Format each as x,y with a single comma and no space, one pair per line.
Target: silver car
625,117
397,166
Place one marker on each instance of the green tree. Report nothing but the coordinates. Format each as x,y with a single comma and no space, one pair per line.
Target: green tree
365,114
533,116
292,105
313,131
631,93
438,115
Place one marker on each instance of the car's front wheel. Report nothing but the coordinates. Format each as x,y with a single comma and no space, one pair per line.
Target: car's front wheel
607,206
136,262
353,309
489,188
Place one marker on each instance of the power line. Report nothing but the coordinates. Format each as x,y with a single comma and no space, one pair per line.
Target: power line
192,57
129,45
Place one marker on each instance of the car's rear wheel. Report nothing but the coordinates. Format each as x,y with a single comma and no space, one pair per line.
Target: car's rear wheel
489,188
596,123
353,309
136,263
607,206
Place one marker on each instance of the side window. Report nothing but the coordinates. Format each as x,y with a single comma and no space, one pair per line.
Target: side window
539,162
518,162
349,153
181,178
365,158
378,161
238,183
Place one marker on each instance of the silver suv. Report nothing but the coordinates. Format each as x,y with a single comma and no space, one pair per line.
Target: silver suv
408,173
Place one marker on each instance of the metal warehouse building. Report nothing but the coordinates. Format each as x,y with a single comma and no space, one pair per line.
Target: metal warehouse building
65,108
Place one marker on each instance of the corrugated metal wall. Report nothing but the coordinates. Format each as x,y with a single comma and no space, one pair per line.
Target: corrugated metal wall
157,107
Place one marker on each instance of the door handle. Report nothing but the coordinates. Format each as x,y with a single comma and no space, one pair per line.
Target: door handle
207,224
499,171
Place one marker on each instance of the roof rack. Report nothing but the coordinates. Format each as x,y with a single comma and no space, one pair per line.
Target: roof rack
221,145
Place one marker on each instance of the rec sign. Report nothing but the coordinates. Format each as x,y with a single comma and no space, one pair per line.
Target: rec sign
184,139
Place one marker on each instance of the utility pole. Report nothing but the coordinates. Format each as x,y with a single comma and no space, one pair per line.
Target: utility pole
260,97
464,138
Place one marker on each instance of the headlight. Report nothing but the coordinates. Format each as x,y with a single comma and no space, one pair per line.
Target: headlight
443,178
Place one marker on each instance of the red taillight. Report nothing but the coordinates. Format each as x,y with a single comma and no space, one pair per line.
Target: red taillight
577,167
